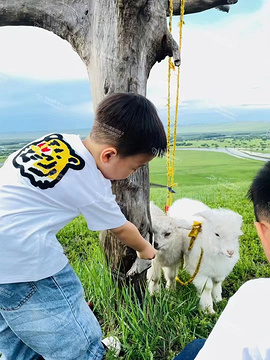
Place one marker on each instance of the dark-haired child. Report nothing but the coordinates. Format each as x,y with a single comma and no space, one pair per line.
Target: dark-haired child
242,331
44,186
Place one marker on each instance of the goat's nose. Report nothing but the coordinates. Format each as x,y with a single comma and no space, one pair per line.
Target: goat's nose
230,252
155,245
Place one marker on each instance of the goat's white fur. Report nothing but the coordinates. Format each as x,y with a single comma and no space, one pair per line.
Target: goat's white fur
218,238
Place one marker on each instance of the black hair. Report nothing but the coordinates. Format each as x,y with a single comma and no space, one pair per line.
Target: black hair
131,124
259,193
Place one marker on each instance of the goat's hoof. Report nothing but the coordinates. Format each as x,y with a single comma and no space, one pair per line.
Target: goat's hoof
208,309
218,299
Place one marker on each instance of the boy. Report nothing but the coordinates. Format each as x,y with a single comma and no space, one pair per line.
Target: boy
43,187
242,331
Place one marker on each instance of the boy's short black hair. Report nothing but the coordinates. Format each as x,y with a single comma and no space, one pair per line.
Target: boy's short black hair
130,123
259,194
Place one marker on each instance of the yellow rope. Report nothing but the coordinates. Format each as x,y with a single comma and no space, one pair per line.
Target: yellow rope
170,67
171,162
195,272
196,228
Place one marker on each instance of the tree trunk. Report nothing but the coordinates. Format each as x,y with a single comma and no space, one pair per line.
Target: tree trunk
119,41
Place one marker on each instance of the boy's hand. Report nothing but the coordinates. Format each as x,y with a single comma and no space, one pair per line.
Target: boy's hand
148,253
129,235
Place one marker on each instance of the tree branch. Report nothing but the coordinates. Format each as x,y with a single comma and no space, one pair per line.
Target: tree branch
169,47
63,18
224,8
194,6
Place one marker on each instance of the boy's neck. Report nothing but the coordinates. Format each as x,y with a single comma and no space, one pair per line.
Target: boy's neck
94,148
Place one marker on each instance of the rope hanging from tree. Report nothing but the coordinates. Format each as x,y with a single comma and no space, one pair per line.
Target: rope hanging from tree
171,157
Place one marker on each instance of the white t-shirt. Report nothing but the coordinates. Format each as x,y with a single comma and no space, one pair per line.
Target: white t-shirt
42,188
243,330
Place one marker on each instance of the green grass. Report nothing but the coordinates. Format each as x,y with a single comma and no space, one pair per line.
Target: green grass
164,324
193,168
226,127
249,144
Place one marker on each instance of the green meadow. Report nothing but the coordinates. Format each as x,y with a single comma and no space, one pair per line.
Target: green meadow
193,168
162,325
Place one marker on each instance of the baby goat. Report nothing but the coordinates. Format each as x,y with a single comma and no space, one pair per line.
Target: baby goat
218,238
169,245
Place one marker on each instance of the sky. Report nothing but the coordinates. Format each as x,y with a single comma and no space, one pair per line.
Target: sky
225,73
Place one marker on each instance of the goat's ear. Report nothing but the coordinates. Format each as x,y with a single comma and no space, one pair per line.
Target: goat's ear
206,214
183,224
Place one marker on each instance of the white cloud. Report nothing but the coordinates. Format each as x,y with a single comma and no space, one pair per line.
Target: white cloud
82,109
226,64
38,54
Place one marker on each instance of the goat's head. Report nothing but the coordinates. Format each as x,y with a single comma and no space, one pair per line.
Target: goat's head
166,231
221,229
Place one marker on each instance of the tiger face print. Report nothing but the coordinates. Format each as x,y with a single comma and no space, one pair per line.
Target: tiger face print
46,161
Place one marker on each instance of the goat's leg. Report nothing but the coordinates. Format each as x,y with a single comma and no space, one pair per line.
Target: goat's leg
204,288
170,274
153,277
217,291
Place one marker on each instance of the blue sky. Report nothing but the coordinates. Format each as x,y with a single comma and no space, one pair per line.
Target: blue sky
225,74
211,16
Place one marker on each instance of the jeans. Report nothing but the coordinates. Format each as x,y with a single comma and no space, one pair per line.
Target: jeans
48,319
191,350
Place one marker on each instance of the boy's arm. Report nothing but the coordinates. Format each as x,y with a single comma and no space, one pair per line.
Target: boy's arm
129,235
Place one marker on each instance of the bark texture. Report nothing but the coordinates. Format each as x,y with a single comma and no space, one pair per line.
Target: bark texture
119,41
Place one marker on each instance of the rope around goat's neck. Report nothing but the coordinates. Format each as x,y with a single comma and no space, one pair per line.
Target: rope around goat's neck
196,228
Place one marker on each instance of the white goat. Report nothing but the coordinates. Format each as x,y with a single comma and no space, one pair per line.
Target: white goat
218,238
169,246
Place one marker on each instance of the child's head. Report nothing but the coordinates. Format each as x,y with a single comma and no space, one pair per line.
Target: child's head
128,125
259,194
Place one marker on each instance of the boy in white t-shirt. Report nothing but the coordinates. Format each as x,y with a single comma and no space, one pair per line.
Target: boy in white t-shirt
242,331
43,187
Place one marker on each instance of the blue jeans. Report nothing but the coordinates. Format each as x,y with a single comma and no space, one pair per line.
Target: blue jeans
48,319
191,350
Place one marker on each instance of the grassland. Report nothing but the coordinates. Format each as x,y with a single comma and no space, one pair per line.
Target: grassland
249,143
195,168
229,128
164,324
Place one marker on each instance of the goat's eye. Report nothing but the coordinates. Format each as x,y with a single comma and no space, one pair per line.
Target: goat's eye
217,234
167,234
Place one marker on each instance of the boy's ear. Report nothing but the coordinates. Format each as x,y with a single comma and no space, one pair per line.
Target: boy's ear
107,154
263,230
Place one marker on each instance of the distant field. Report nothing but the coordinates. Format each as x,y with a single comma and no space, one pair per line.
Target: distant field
2,159
251,144
227,128
204,168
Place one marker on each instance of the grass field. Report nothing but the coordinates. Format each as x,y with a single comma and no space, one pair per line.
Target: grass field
164,324
227,128
195,168
250,144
